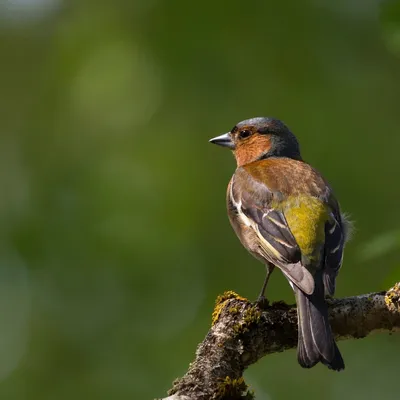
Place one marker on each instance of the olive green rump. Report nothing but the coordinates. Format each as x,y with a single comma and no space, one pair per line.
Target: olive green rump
306,217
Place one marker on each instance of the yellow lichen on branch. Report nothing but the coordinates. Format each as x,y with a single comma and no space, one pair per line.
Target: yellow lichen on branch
233,389
220,303
250,316
392,298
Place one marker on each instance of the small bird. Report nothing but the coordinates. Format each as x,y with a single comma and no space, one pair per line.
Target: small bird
285,214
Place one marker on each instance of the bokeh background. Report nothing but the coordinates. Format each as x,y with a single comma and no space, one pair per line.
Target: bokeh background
114,237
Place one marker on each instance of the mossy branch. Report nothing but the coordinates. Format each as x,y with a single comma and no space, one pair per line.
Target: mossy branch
242,333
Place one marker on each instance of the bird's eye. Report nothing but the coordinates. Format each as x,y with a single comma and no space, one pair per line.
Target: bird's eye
245,133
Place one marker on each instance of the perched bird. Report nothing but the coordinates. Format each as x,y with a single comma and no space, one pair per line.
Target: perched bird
285,214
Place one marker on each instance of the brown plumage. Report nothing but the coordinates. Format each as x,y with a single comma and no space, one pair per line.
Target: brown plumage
285,214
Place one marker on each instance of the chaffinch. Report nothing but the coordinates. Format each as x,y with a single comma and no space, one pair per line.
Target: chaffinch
285,215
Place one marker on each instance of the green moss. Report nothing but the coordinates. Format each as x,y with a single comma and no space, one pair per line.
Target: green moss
233,310
252,315
233,389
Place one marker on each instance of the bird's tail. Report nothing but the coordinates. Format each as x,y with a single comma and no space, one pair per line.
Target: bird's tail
316,343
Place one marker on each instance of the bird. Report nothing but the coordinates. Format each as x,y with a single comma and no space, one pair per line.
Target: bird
287,216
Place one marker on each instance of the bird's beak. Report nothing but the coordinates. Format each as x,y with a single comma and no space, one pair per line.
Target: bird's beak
224,140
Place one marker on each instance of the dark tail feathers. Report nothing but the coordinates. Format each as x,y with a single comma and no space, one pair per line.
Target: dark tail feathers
316,343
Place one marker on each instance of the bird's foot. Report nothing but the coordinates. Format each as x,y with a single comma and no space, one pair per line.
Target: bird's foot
262,302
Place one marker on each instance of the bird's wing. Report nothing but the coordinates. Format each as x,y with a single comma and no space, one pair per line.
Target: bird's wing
274,240
336,230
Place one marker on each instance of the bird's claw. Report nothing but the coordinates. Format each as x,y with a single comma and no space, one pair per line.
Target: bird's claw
262,302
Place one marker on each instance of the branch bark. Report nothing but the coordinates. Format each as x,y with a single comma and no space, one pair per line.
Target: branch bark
242,333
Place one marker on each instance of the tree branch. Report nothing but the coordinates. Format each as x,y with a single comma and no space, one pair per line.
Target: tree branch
242,333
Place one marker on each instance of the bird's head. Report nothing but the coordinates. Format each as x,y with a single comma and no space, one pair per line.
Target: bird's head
258,138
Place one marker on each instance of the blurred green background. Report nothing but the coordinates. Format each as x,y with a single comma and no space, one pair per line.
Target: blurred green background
114,235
